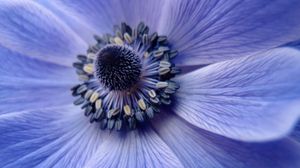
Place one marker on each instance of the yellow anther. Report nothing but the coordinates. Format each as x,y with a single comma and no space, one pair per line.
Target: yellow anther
127,110
98,104
127,38
142,104
118,41
89,68
94,97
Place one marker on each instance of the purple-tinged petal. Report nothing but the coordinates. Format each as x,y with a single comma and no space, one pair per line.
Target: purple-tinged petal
38,123
31,29
134,149
20,66
214,30
84,30
254,98
28,83
48,137
101,16
198,148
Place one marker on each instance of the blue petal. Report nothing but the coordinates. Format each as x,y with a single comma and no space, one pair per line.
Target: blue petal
134,149
27,83
211,30
84,30
100,16
30,29
198,148
48,137
253,98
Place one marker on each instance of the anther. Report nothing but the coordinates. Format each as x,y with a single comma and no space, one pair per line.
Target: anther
127,110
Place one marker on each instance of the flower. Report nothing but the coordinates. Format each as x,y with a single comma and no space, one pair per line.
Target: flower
239,84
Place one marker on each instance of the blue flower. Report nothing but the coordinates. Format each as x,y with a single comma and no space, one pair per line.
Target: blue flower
238,101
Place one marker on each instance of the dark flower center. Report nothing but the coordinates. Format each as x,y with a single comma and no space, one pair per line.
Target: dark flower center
125,77
118,67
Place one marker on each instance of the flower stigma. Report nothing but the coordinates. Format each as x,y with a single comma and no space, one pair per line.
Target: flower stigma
125,77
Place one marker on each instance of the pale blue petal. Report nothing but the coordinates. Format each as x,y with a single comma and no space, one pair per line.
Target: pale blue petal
20,66
31,29
254,98
84,30
198,148
98,17
48,137
214,30
39,125
27,83
134,149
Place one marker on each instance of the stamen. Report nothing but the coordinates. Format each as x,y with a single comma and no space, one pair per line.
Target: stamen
126,77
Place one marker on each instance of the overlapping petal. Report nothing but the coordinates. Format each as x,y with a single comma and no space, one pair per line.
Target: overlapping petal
48,137
198,148
134,149
39,126
27,83
214,30
100,16
253,98
30,29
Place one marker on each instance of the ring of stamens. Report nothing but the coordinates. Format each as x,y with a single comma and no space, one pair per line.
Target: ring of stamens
125,77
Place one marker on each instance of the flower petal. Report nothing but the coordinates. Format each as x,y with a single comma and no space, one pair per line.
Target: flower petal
134,149
39,126
211,30
101,16
30,29
28,83
48,137
253,98
198,148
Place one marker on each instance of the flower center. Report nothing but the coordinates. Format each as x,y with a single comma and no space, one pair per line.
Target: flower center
118,67
125,77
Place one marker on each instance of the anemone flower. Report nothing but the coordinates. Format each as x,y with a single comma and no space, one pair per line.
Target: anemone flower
158,83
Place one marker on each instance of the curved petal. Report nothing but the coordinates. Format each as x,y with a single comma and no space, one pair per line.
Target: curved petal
20,66
134,149
30,29
198,148
100,16
49,137
77,24
209,31
38,125
27,83
252,98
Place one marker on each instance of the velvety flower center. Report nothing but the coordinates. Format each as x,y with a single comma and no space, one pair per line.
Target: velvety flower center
118,67
125,77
